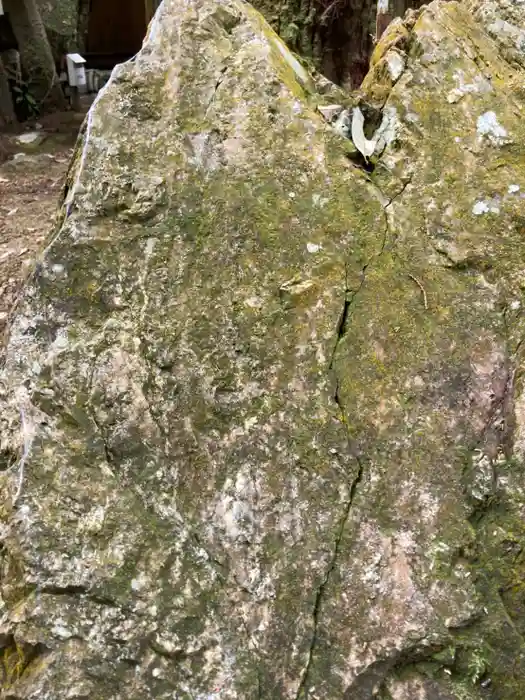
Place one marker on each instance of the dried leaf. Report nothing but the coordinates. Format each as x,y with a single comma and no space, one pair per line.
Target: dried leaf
362,144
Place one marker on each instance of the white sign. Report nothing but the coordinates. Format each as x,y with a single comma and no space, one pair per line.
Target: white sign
76,71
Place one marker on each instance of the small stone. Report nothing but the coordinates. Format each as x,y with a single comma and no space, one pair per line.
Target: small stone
31,138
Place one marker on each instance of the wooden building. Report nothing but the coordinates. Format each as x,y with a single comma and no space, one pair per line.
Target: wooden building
116,29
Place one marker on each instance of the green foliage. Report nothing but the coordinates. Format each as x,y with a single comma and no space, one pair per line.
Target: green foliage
24,99
477,665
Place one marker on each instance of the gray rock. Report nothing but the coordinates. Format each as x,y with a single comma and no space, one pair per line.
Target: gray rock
260,436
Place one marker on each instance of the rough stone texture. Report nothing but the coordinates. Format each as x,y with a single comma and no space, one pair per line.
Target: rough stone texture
263,420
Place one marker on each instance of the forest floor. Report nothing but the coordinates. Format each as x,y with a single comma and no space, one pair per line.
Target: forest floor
31,180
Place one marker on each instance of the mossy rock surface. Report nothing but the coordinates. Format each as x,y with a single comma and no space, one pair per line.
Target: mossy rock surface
263,423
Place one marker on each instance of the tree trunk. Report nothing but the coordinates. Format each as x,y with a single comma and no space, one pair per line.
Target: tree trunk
83,24
35,53
7,110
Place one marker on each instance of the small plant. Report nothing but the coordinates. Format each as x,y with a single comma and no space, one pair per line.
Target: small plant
26,106
24,100
477,665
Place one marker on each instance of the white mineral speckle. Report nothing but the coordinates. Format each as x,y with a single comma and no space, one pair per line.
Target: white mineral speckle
94,520
60,343
253,302
513,189
150,245
250,422
485,207
387,131
61,631
139,582
396,64
488,125
480,208
319,201
477,85
313,247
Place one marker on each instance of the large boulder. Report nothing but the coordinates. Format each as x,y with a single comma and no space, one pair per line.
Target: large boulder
263,424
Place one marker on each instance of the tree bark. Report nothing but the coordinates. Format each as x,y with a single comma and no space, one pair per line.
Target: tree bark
82,25
7,110
35,53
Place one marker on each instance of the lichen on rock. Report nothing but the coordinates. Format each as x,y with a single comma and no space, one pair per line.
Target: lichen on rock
262,413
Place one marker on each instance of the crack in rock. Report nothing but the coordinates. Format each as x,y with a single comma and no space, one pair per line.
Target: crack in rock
302,692
83,592
350,294
342,327
342,323
218,83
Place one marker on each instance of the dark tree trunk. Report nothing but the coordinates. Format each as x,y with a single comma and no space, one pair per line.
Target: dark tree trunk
7,110
83,24
347,37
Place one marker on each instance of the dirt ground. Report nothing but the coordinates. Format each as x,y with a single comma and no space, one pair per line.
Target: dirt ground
31,179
